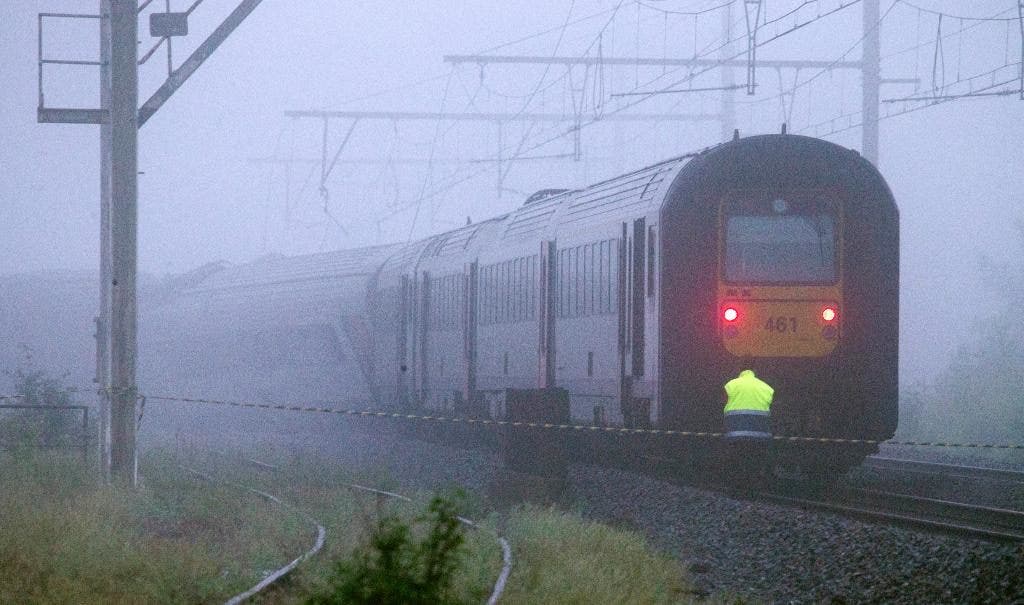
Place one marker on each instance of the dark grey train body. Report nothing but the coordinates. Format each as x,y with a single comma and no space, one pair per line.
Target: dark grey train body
614,293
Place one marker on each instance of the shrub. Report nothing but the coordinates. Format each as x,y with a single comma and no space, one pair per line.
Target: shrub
37,428
392,568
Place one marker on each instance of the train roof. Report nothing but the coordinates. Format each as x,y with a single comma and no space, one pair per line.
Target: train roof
281,270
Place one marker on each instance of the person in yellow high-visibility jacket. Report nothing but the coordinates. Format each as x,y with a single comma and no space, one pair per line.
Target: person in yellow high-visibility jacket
747,428
748,407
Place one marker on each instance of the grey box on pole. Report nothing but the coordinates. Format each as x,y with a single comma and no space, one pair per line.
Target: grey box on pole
166,25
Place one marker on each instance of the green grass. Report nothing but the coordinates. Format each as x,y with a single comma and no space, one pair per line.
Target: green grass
180,539
176,540
561,558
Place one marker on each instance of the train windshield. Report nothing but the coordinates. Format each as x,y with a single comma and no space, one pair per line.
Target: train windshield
780,240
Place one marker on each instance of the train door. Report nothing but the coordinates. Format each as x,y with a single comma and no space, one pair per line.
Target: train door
636,283
546,290
402,344
469,315
625,386
632,298
421,347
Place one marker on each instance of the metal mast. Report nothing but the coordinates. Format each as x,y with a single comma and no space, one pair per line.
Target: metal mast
871,81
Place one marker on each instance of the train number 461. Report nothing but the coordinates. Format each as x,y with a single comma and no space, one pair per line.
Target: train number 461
780,324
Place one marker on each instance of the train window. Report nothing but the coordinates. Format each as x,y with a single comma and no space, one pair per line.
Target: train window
502,291
446,302
508,291
587,278
574,287
651,269
582,280
771,242
492,287
513,290
590,277
613,276
531,279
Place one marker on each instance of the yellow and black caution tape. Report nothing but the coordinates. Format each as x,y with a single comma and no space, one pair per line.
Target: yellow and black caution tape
78,391
550,426
451,419
567,427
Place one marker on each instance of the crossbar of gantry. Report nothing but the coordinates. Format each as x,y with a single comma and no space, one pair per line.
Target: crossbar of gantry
498,117
648,61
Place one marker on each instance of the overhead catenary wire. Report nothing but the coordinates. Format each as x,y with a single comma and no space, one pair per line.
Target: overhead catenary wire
560,133
925,104
932,96
518,153
520,150
430,158
689,77
918,45
829,68
416,204
547,136
702,11
692,75
953,15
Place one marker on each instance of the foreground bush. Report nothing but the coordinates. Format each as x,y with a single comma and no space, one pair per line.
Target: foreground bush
393,569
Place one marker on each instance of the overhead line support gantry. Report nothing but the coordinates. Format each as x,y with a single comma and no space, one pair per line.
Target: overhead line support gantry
120,117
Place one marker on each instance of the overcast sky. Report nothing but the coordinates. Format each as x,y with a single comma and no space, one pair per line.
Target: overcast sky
955,168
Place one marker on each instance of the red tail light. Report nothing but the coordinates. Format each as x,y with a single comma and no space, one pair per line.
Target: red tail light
829,314
730,314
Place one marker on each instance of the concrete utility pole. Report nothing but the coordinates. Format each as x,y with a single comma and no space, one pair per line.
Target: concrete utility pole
871,80
124,133
103,321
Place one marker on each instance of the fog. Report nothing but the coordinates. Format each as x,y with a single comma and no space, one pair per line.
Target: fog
955,168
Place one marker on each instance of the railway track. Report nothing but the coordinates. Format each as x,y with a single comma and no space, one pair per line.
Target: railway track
954,518
944,470
942,515
882,506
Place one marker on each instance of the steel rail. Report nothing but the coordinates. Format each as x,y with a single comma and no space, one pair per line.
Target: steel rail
506,548
985,517
929,514
945,470
321,537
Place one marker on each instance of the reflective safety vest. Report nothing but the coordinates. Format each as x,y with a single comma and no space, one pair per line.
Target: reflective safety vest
747,392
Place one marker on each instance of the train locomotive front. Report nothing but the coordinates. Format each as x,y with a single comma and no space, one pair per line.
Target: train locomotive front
780,254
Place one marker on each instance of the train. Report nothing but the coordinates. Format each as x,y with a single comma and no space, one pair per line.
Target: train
639,296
